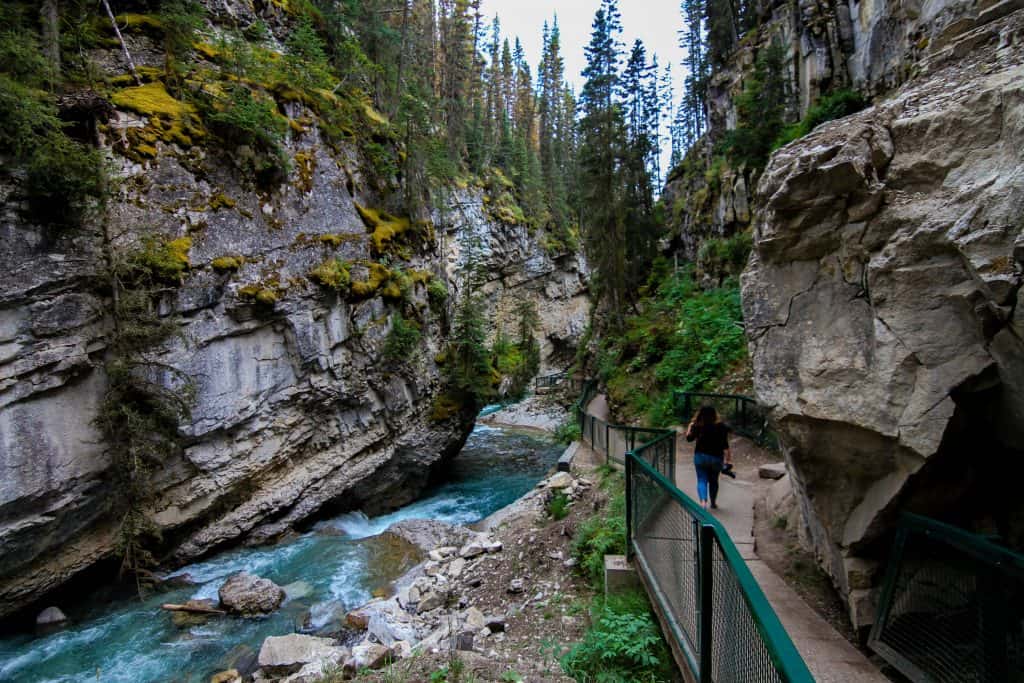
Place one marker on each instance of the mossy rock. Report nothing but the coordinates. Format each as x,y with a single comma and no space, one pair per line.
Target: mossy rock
446,406
221,201
336,240
377,275
305,165
261,294
227,264
170,120
139,23
374,116
166,261
386,230
152,99
333,274
147,74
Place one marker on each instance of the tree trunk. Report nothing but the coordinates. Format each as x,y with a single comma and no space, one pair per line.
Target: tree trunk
191,609
49,16
124,46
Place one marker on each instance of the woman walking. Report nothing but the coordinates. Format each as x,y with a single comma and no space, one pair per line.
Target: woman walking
711,453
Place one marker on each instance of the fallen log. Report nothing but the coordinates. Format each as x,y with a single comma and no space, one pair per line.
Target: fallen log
192,609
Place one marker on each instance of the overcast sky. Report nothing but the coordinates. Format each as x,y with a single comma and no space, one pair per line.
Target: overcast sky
656,22
653,21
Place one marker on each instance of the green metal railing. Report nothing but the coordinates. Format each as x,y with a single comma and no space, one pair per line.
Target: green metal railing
719,623
561,379
743,414
952,607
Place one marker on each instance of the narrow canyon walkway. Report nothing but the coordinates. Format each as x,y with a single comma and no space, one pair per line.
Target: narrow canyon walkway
829,656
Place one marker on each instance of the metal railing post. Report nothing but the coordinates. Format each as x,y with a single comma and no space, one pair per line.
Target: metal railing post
629,507
706,582
672,459
607,442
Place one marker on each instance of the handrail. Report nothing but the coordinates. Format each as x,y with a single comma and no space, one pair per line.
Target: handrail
746,416
654,460
944,586
780,647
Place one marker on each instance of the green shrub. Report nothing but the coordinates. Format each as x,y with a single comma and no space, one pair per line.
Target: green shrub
558,506
719,258
437,292
567,432
685,338
243,120
760,111
602,534
833,106
624,644
64,177
402,340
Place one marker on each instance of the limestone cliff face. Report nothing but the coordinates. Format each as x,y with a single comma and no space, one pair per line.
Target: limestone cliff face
517,269
872,46
883,305
297,412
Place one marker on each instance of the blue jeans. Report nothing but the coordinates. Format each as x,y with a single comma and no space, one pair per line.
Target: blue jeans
708,469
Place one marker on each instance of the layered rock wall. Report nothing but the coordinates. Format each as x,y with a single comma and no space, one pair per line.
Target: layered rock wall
882,304
297,411
517,269
872,46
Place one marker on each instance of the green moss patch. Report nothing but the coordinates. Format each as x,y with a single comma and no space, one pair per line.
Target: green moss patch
227,264
333,274
385,229
166,261
170,120
446,406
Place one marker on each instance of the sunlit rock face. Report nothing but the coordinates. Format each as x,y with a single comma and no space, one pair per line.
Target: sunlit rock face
882,301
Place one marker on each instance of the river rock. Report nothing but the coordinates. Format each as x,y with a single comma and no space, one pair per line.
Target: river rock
475,619
297,590
368,656
495,623
283,655
401,650
456,568
247,595
229,676
429,534
51,616
562,480
471,550
464,641
431,601
391,627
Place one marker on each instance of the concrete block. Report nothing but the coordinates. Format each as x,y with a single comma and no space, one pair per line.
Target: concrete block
619,575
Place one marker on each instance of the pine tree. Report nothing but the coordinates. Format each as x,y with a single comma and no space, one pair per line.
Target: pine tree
601,132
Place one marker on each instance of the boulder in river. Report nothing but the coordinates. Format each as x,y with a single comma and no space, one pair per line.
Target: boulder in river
250,595
51,616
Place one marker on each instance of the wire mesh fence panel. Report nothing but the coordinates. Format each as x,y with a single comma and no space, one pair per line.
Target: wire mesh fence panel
952,613
738,651
672,540
666,541
743,414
